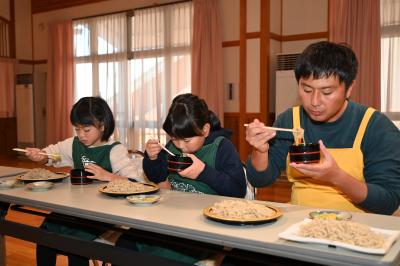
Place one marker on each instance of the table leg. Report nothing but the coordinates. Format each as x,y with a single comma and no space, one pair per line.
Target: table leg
3,212
2,250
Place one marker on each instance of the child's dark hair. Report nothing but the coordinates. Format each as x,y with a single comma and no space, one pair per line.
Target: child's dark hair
93,111
187,115
325,59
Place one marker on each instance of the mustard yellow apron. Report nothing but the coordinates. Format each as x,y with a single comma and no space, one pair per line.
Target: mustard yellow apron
310,192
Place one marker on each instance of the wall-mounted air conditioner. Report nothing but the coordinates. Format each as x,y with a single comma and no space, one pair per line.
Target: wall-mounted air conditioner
286,84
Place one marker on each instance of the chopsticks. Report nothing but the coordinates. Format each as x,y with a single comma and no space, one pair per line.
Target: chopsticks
294,130
165,149
42,153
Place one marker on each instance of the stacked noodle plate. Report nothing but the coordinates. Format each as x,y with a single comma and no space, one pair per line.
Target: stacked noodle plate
343,231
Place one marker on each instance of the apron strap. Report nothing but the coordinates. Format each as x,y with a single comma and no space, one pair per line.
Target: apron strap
363,126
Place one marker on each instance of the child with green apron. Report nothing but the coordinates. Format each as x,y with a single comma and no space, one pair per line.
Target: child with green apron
94,150
196,132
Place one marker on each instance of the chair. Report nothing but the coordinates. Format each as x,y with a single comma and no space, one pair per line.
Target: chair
251,191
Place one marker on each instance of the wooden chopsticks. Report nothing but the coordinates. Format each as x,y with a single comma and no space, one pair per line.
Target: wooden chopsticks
294,130
42,153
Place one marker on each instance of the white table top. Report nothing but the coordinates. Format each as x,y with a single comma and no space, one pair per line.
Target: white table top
180,214
6,171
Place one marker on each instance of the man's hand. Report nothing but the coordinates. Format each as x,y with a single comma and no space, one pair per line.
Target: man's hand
326,170
258,136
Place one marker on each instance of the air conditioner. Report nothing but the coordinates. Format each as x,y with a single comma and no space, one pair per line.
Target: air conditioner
286,84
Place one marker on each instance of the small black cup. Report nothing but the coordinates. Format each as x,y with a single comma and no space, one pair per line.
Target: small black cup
79,177
177,163
305,153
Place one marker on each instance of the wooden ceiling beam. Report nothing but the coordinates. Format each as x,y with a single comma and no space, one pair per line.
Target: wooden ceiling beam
39,6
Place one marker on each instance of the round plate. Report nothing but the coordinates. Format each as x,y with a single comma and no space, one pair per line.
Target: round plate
40,185
6,184
59,176
143,199
330,215
149,188
236,221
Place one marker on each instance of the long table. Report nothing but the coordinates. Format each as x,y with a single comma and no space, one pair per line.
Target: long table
180,215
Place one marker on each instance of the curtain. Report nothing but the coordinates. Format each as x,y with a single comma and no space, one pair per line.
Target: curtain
390,54
159,68
207,72
100,51
356,22
60,77
7,84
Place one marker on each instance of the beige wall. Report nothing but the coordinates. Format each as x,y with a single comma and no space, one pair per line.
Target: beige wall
253,16
305,16
275,16
230,19
231,75
23,34
5,9
287,17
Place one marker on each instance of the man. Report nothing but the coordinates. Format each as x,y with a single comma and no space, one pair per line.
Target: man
360,147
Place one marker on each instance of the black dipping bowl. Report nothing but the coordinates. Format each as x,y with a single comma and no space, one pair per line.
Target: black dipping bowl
305,153
178,163
79,177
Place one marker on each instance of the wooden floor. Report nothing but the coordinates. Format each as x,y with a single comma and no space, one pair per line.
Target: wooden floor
22,253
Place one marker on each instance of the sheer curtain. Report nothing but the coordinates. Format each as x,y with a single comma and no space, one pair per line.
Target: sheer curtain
390,58
159,67
100,49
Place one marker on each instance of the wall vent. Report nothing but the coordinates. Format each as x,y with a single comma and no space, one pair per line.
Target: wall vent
286,61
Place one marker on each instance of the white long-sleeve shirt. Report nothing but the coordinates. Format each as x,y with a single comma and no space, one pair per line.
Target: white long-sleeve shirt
121,162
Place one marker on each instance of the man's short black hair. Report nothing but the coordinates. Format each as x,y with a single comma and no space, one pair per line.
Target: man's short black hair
325,59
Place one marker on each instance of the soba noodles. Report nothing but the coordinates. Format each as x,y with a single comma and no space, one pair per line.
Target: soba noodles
40,173
242,210
342,231
298,135
126,186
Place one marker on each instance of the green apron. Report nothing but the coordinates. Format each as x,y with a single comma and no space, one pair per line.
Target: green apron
81,155
207,154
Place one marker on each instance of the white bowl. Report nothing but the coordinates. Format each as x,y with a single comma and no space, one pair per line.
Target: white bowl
143,199
40,185
5,184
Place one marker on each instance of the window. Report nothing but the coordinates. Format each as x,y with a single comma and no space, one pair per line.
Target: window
159,65
138,63
390,54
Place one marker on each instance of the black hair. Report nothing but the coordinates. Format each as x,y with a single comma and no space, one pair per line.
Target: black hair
325,59
187,116
93,111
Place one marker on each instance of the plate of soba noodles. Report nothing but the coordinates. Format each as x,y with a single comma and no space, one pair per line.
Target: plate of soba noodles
241,212
342,233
